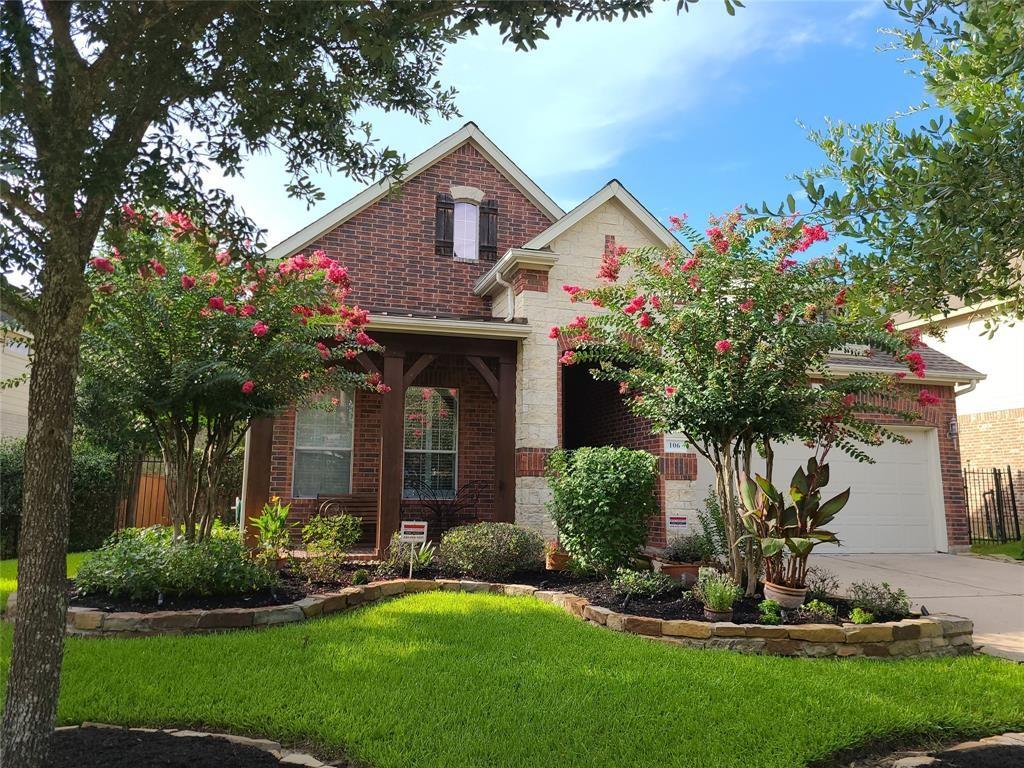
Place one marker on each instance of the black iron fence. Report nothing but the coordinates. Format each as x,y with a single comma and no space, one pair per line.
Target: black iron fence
992,505
142,497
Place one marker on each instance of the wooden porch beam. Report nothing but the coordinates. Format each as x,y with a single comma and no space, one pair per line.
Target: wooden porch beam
391,450
485,372
505,449
364,360
258,447
416,369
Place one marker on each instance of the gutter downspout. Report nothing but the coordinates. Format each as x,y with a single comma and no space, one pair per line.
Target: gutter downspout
508,292
969,388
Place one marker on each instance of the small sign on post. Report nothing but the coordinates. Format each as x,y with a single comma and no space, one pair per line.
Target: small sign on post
412,532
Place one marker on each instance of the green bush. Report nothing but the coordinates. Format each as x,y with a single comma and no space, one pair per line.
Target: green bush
712,528
327,539
770,612
395,562
491,551
818,612
602,501
716,590
641,583
859,616
93,491
144,563
881,600
689,548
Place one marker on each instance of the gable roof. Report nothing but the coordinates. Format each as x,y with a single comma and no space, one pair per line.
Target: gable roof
613,189
468,133
939,367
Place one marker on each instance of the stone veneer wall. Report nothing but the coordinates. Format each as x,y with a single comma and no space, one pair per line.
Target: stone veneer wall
933,635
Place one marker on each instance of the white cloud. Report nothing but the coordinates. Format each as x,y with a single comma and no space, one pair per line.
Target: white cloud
571,107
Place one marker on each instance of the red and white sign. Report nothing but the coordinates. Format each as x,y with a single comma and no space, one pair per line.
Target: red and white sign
676,524
412,532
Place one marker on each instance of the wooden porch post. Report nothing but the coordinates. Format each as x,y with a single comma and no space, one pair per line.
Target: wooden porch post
505,434
256,493
391,449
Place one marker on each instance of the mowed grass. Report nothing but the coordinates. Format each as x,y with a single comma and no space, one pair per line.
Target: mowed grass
9,574
440,679
1013,549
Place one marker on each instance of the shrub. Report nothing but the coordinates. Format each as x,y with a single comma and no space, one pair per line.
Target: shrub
147,563
93,490
716,590
602,501
858,616
712,528
690,548
272,529
818,612
327,539
641,583
491,551
361,576
886,603
395,562
821,583
770,612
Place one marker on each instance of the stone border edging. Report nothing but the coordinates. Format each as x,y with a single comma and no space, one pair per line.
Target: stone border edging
932,635
285,757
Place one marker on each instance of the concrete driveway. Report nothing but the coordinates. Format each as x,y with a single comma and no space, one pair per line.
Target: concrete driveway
989,592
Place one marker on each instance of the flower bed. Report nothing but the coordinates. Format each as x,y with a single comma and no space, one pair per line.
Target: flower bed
933,635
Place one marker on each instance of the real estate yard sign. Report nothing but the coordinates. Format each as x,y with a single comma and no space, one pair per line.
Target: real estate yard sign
412,532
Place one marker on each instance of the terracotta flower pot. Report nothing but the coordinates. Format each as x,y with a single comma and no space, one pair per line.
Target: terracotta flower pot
556,560
787,597
684,573
711,615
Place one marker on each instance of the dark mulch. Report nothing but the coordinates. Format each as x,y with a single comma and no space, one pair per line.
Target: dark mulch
983,757
117,748
286,593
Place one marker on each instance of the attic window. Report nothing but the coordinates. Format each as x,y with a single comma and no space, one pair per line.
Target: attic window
466,225
466,236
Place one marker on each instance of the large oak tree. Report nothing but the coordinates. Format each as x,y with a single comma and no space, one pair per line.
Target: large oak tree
112,102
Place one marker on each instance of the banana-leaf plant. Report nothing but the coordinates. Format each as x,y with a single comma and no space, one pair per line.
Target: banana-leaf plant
788,532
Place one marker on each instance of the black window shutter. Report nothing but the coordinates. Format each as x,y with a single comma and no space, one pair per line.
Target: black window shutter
489,230
444,226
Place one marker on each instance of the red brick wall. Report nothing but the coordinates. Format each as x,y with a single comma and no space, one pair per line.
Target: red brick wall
389,247
937,416
993,439
532,462
476,450
529,280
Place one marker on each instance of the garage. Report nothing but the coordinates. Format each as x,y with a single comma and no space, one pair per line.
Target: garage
896,504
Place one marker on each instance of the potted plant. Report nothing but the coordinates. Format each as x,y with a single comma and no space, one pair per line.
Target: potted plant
683,557
718,592
786,533
273,533
555,558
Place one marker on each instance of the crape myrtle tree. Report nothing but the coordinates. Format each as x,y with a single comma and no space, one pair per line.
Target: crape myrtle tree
728,344
934,199
199,340
106,103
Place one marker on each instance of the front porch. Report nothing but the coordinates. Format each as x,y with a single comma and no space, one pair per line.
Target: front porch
446,425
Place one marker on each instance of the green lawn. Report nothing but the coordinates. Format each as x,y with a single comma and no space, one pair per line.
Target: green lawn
447,680
9,574
1012,548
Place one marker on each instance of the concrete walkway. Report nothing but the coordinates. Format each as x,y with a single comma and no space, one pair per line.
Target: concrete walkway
989,592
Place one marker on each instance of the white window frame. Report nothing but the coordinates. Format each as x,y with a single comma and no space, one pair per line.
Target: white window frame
308,449
474,225
455,441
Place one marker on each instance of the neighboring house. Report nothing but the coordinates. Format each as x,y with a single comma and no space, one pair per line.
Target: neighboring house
462,271
14,364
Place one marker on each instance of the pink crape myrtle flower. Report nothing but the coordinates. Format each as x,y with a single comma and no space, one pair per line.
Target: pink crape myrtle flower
722,346
926,398
223,258
567,358
746,306
248,386
247,310
669,390
216,302
259,330
644,321
102,264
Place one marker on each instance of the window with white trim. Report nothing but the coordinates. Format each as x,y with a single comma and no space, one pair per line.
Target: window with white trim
322,463
466,230
431,440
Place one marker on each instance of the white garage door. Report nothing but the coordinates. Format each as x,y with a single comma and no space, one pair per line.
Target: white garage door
894,504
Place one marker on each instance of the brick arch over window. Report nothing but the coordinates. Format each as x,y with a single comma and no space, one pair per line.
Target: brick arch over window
389,248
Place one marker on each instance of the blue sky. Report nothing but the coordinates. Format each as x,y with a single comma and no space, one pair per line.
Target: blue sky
694,113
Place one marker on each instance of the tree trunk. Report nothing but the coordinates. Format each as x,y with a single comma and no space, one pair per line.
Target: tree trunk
34,683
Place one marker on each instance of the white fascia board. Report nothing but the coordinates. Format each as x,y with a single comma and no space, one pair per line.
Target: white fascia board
613,189
514,258
432,326
940,318
468,133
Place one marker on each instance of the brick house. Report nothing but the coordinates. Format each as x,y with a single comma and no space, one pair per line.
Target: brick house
461,269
